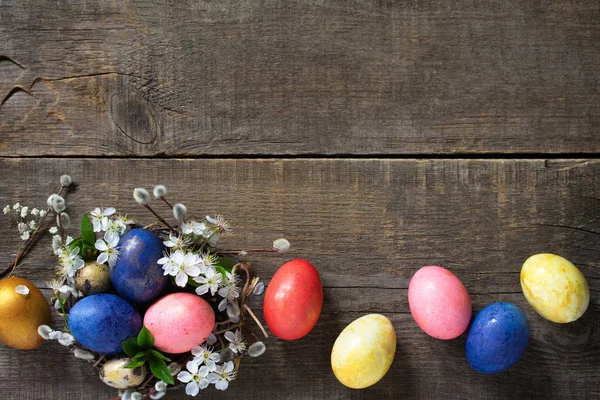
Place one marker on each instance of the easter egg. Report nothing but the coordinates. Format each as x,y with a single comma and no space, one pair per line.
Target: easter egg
293,300
555,288
497,338
439,302
21,314
363,353
114,374
93,278
101,322
179,322
136,275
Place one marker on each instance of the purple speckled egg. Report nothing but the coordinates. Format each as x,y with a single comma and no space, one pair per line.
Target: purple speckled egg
179,322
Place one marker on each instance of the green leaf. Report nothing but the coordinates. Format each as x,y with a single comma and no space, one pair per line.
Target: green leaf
160,370
76,243
87,229
137,363
140,356
160,355
130,347
145,339
222,270
227,263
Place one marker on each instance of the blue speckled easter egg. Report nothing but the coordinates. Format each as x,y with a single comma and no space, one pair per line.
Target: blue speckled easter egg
136,276
497,338
102,321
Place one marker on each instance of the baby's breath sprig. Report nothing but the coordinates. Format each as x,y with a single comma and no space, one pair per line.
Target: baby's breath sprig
55,202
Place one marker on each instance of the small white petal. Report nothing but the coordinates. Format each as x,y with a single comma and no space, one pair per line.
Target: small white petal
192,389
212,339
258,289
102,258
22,289
230,336
184,376
181,279
222,384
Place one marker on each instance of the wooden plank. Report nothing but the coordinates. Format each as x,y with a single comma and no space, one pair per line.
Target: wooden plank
367,225
304,77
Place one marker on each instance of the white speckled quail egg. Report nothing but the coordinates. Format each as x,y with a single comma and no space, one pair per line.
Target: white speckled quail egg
114,374
93,278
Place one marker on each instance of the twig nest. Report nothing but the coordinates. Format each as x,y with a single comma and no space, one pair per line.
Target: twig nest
114,374
93,278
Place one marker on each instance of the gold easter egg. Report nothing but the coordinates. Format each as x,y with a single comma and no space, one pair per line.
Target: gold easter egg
22,314
93,278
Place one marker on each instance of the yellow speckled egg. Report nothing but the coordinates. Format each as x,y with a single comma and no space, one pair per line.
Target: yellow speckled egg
114,374
555,288
363,353
93,278
22,313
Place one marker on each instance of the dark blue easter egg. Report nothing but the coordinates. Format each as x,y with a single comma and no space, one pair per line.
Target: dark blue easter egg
136,275
497,338
102,321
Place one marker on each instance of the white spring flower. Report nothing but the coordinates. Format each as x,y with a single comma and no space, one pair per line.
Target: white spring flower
176,242
179,211
108,248
209,281
180,265
32,224
220,222
257,349
193,227
141,196
196,378
117,225
53,230
6,209
70,261
66,180
22,290
99,218
230,291
207,262
222,376
281,245
24,211
236,341
44,331
160,191
58,204
35,212
205,355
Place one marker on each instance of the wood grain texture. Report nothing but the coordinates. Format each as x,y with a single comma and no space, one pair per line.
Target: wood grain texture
367,225
186,78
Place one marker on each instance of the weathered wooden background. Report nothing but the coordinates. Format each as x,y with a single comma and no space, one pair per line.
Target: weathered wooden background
378,136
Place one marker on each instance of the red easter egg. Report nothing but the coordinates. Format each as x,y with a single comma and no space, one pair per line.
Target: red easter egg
293,300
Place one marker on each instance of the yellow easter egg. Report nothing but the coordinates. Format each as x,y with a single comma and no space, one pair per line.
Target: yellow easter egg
555,288
23,308
363,353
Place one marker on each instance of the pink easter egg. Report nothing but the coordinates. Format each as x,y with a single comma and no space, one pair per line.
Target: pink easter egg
179,322
439,303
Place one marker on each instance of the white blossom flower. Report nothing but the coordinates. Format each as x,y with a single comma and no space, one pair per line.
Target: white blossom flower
179,211
53,230
99,218
160,191
25,235
220,222
236,341
35,212
193,227
176,242
58,286
42,213
6,209
196,378
207,262
70,261
108,248
230,291
205,355
117,225
257,349
22,290
209,281
24,211
180,265
212,339
32,224
141,196
222,375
